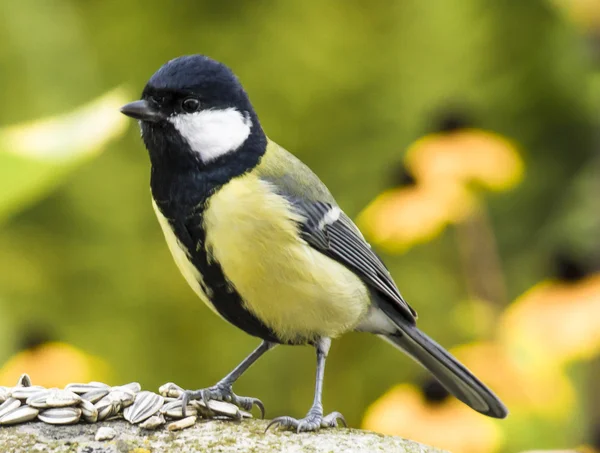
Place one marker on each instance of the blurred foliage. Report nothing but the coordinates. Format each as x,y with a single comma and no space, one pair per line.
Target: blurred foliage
35,157
347,86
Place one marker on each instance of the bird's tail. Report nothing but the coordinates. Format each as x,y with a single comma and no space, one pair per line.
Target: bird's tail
457,379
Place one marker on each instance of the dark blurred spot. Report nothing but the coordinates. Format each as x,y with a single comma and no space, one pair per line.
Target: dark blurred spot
567,267
595,437
402,177
451,120
434,392
34,337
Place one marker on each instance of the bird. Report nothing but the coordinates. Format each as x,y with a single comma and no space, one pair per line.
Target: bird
262,241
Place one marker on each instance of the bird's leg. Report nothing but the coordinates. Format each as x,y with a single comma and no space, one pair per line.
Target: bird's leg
221,391
314,420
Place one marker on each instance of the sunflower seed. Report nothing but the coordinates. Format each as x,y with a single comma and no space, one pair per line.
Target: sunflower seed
182,424
81,389
146,405
153,422
105,411
4,393
24,381
22,393
60,415
39,400
19,415
88,411
105,433
116,416
170,389
94,396
124,397
9,405
62,398
132,387
245,414
175,409
219,408
107,408
224,408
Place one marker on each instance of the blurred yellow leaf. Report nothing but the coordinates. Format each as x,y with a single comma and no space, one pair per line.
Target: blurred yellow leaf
36,156
72,135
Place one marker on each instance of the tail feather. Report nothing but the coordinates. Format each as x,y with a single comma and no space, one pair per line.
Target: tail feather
457,379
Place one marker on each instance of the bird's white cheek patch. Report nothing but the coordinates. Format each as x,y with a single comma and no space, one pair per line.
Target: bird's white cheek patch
212,133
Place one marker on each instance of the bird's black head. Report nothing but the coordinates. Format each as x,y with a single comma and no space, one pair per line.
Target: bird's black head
195,115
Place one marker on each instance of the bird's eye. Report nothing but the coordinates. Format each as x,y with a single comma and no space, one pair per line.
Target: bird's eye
190,105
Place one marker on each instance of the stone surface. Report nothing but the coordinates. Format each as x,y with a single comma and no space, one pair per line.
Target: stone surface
206,436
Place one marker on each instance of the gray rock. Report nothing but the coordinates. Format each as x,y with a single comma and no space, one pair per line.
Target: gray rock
204,436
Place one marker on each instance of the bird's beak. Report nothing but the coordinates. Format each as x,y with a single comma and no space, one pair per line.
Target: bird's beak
142,110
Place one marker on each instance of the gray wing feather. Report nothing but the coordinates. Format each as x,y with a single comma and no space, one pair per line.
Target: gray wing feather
329,230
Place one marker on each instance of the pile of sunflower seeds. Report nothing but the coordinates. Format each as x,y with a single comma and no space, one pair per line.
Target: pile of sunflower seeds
96,401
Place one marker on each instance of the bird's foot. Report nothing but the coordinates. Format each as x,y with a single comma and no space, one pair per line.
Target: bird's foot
222,392
313,421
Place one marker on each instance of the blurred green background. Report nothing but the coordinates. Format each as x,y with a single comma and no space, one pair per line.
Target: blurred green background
347,86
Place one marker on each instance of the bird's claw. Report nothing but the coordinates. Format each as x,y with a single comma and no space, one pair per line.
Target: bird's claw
221,393
311,423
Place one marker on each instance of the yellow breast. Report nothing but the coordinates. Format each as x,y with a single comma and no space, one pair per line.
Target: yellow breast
295,290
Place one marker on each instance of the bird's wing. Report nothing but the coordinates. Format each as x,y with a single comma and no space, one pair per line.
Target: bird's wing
326,228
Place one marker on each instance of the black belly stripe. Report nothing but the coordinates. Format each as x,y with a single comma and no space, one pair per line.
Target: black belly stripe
223,295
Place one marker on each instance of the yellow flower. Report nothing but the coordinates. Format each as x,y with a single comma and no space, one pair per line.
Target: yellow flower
468,156
53,364
519,380
558,321
433,419
441,169
399,218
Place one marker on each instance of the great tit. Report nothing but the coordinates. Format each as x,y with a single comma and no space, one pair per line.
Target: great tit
263,243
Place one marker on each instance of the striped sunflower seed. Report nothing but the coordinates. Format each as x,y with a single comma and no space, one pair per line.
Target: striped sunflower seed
153,422
117,416
60,415
175,409
4,393
182,424
39,400
9,405
107,408
22,393
81,389
62,398
170,389
93,396
19,415
145,406
132,387
88,411
219,408
124,397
